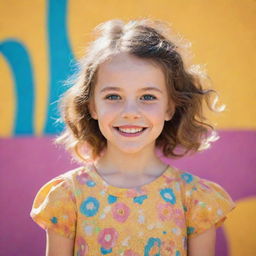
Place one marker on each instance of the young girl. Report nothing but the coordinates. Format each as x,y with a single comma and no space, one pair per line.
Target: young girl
134,96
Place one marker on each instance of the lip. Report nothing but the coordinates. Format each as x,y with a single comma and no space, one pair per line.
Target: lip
130,126
130,134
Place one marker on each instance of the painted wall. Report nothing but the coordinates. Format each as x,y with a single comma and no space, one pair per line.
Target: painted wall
41,40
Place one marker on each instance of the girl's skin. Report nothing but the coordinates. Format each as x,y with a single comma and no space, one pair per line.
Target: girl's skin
131,161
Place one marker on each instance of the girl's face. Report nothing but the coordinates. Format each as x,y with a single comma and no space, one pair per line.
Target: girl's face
130,94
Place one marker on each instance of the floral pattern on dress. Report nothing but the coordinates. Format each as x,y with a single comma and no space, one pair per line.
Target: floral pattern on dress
155,219
89,207
107,238
168,195
120,212
82,249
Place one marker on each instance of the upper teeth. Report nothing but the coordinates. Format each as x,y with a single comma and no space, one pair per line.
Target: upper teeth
131,130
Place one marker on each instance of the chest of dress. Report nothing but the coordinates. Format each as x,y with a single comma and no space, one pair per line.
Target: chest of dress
129,222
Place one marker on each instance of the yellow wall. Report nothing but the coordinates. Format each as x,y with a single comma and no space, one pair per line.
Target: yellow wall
222,35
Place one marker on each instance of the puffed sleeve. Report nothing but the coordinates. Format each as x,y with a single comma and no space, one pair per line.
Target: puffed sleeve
54,207
207,205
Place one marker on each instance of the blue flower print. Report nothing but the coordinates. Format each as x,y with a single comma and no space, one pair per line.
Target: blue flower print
190,230
89,207
140,199
111,199
153,244
177,253
105,251
90,183
187,177
54,220
168,195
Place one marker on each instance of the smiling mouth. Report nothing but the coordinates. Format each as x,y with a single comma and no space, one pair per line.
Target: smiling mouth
131,131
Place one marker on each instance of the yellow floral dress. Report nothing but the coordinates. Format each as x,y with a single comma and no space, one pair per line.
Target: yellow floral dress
155,220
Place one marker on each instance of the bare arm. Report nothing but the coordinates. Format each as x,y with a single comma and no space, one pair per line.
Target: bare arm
57,245
203,244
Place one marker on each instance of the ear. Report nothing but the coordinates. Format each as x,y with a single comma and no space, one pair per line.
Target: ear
92,110
169,113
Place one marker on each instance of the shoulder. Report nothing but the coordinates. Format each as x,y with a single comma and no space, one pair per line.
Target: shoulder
198,189
55,204
185,179
64,183
206,203
193,182
71,177
63,179
201,187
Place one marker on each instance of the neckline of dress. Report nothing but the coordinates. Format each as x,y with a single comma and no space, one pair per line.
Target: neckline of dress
130,192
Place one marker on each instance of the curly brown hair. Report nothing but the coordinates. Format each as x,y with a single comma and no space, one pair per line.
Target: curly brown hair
188,131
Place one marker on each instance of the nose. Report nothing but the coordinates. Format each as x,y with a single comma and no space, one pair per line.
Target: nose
131,110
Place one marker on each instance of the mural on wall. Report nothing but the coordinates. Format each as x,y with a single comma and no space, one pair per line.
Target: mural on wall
37,56
18,57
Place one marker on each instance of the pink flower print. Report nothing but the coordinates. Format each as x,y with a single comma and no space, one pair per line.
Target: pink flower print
179,218
82,247
164,211
169,180
136,192
168,246
131,193
107,238
120,212
167,212
130,252
196,202
82,178
204,186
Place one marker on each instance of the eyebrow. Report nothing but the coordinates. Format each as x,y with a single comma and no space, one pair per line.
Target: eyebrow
118,89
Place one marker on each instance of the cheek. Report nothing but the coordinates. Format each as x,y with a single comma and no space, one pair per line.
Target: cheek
106,116
154,111
104,110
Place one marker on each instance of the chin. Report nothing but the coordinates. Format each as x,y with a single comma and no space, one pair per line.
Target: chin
132,149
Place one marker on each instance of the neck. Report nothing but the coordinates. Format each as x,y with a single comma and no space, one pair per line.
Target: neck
144,162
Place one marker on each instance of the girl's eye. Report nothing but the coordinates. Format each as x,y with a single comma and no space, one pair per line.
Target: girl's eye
111,97
149,97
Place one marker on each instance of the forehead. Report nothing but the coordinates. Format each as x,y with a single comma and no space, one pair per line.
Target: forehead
124,69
